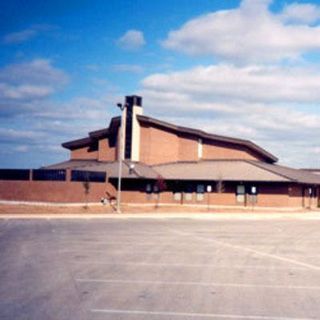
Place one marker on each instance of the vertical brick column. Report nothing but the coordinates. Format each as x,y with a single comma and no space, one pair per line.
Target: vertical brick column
68,175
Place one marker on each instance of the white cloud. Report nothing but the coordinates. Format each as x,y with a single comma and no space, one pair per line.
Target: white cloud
22,148
24,92
131,40
39,71
21,36
27,34
12,135
28,81
260,103
250,33
250,83
305,13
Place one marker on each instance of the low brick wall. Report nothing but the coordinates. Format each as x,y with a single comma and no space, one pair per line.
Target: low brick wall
70,191
53,191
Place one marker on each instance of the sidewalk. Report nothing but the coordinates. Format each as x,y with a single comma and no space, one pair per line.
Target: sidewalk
98,211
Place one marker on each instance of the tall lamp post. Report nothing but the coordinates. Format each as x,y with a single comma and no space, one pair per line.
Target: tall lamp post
121,106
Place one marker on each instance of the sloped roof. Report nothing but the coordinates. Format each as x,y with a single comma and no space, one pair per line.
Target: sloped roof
210,170
79,143
312,170
227,170
71,164
235,170
297,175
93,136
140,170
202,134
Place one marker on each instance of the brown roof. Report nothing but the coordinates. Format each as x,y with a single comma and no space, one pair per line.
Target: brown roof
227,170
93,136
296,175
102,133
235,170
71,164
314,171
140,170
210,170
202,134
79,143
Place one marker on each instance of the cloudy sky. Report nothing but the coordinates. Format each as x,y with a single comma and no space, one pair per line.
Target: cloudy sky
249,69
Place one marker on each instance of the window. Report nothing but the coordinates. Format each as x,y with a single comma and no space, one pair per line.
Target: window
148,191
241,191
148,188
188,192
200,192
177,196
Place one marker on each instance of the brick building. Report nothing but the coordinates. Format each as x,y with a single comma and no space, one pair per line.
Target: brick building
172,164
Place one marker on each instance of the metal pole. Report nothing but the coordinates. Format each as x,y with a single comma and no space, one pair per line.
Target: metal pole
120,161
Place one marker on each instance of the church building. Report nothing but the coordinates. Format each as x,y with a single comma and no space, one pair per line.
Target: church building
171,164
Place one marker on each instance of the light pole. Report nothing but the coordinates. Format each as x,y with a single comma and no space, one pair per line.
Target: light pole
121,106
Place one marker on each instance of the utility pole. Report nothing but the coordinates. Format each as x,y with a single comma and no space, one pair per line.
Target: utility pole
121,106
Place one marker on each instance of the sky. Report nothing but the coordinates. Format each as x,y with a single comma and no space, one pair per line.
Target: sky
248,69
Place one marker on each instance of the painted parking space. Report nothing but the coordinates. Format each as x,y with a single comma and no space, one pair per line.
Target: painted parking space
159,269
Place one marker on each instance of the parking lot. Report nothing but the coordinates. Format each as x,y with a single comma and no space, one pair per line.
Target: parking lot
133,269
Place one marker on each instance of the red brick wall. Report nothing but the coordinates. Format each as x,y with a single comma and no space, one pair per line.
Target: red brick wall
51,191
274,196
188,148
106,152
219,150
55,191
269,196
83,154
158,146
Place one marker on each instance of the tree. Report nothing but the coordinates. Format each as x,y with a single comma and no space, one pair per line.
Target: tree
86,185
159,186
220,186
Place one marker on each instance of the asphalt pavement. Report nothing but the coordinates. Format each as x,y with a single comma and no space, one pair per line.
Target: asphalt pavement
168,268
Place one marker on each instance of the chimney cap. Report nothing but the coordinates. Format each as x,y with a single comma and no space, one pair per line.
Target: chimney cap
134,100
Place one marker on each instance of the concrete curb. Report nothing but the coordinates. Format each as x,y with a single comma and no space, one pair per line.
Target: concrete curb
193,216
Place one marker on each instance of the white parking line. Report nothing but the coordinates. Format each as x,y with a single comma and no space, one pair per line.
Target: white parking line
154,251
190,265
193,315
246,249
194,283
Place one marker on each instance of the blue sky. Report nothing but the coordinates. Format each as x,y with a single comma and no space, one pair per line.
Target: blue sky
248,69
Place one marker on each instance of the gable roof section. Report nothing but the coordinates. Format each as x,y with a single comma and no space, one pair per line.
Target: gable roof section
76,144
213,137
206,170
295,175
215,170
140,170
234,170
93,136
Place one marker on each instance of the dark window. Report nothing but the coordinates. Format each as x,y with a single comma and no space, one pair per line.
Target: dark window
128,138
90,176
49,175
188,193
14,174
